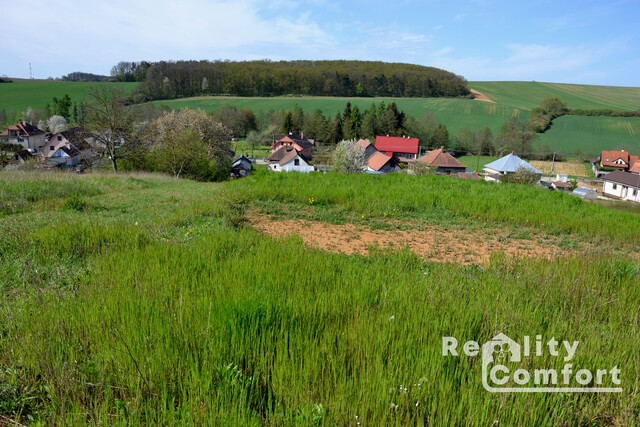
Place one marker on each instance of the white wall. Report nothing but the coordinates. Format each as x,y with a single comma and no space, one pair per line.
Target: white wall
621,191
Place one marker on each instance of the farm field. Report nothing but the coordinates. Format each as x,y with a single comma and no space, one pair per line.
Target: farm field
569,168
589,134
287,299
526,95
455,113
592,134
20,95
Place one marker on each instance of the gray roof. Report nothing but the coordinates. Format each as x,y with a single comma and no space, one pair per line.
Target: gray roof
510,163
625,178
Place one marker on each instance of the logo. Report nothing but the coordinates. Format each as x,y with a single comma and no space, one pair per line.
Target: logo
501,356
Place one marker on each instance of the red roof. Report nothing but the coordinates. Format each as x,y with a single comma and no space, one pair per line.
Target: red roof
397,144
608,158
378,160
441,159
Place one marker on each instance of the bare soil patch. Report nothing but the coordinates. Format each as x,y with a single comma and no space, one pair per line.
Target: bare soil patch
431,242
478,96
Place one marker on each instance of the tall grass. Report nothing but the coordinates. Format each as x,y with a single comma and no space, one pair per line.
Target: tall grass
229,327
430,197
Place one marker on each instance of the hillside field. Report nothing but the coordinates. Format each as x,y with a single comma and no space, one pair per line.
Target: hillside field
146,300
20,95
589,134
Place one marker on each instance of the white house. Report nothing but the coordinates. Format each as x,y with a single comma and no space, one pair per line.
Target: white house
622,185
288,159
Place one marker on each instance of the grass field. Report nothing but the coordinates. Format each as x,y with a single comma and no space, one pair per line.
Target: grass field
138,300
526,95
476,162
590,134
20,95
455,113
593,134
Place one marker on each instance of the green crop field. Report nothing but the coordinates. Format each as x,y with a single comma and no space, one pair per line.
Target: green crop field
147,300
526,95
455,113
20,95
593,134
590,134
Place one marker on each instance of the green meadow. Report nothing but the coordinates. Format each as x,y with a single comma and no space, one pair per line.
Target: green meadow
455,113
20,95
142,299
589,134
526,95
593,134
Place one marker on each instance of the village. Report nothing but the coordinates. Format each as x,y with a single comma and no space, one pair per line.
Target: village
616,172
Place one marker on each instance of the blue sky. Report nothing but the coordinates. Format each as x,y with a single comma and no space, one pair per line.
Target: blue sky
590,42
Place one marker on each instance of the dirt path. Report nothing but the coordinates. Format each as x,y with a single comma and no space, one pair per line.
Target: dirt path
480,96
431,242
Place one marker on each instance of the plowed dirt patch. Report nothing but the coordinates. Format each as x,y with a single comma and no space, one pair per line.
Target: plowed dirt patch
478,96
431,242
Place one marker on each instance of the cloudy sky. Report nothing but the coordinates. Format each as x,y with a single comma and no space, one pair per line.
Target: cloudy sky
568,41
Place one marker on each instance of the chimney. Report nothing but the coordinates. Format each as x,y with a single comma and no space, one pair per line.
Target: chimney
301,134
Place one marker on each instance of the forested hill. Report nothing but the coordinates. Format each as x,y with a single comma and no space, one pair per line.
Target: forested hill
166,80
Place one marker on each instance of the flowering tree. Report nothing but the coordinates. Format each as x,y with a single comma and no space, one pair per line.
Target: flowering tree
348,157
57,124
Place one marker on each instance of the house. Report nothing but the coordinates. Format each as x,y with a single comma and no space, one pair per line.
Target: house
25,134
622,185
377,162
618,159
68,148
507,164
21,156
299,142
398,146
64,156
241,166
443,162
288,159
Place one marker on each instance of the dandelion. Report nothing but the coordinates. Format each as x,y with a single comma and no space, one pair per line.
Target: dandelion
392,318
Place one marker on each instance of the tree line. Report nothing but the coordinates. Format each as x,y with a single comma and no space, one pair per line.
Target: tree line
168,79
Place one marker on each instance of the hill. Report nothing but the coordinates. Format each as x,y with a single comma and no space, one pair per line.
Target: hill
526,95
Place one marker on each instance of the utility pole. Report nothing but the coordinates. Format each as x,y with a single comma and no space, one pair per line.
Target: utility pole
553,162
30,73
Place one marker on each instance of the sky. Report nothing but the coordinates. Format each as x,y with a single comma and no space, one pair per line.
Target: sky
563,41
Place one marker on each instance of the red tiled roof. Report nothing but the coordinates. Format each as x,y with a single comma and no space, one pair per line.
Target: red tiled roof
607,158
23,128
397,144
635,168
378,160
441,159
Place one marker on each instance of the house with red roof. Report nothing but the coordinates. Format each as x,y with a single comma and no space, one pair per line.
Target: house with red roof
377,162
398,146
25,134
299,142
618,159
443,162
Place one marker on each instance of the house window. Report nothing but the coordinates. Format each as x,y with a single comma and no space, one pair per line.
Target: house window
59,138
51,147
635,192
615,186
296,162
